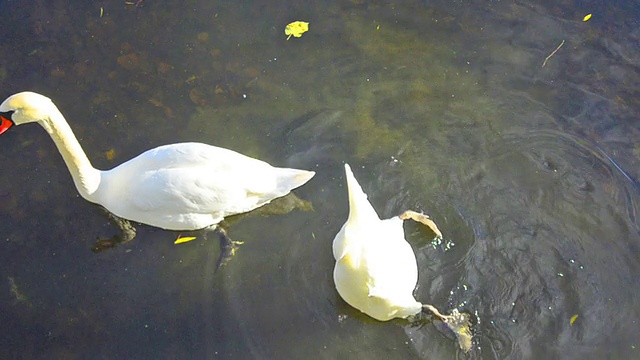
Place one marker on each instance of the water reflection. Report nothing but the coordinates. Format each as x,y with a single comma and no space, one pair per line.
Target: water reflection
530,172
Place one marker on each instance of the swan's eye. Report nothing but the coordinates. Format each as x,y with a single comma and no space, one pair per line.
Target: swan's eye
5,121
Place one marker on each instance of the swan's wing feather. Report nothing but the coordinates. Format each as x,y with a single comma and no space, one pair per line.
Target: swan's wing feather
200,179
194,190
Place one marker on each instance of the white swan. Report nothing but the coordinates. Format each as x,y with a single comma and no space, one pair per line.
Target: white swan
376,270
186,186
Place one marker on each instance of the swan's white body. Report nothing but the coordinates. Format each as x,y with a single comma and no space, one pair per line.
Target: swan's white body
376,270
186,186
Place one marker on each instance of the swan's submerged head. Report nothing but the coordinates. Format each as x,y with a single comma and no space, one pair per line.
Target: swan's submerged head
23,108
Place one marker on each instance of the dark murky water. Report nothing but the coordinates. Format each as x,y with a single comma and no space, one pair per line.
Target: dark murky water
531,172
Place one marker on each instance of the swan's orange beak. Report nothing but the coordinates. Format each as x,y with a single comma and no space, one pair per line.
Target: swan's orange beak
5,124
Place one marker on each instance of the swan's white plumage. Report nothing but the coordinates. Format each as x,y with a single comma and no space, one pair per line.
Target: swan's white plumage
184,186
376,270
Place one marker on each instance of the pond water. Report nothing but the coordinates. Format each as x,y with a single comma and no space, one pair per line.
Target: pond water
445,107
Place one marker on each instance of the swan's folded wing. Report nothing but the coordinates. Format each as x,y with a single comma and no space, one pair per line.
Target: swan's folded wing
198,191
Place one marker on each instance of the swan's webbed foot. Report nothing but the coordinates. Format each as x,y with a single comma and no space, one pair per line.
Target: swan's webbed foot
423,219
127,233
228,247
458,323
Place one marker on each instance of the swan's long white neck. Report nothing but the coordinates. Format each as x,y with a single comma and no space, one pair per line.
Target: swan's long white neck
85,176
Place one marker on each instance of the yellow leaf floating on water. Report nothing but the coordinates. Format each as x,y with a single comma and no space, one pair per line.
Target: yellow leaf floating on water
586,17
185,239
110,154
573,319
296,29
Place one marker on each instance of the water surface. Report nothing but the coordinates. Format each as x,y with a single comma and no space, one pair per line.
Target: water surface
443,107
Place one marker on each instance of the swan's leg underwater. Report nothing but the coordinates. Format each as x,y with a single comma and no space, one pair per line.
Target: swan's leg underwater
228,247
127,233
457,322
423,219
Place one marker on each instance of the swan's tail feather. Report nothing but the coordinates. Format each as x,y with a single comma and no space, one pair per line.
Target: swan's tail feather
288,179
359,206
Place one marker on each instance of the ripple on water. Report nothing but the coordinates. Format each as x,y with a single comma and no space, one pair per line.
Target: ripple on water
556,236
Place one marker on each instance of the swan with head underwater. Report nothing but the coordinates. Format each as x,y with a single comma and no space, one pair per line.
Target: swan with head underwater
376,270
184,186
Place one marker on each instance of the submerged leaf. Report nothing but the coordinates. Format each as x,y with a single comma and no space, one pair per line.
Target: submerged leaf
586,17
17,294
573,319
110,154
